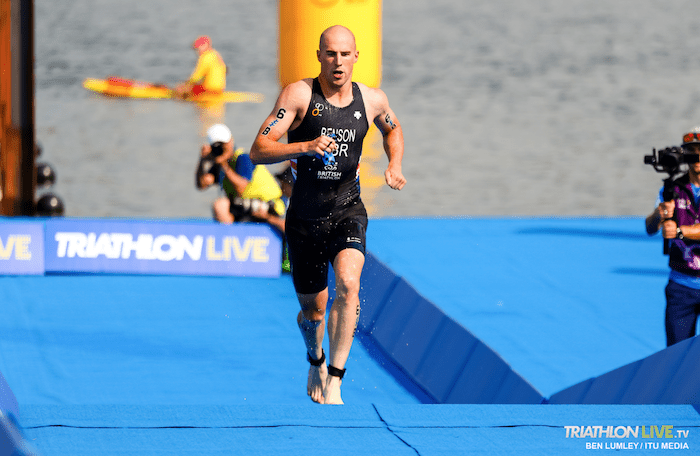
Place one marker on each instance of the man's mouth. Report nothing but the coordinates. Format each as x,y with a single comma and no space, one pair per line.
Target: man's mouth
338,73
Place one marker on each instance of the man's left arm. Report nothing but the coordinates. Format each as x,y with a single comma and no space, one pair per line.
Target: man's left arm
389,126
686,231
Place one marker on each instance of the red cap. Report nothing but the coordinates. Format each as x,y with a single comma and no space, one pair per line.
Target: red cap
202,40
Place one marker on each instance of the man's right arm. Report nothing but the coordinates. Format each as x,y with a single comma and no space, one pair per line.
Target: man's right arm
652,222
287,114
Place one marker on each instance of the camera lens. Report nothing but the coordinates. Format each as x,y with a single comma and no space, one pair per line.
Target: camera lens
217,149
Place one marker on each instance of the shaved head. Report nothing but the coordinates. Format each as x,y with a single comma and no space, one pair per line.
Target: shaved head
336,31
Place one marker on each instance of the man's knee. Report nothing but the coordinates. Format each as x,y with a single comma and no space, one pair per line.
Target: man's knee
348,269
313,314
347,286
307,324
313,306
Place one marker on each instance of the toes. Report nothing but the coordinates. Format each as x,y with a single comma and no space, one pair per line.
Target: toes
318,398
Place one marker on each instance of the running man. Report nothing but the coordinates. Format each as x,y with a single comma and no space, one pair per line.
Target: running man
326,119
210,73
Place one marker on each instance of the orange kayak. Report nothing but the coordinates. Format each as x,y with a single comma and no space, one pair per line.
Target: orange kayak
129,88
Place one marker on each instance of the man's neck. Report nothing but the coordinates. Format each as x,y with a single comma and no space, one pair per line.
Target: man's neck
337,96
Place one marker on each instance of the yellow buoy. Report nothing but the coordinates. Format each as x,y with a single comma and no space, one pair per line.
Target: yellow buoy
301,23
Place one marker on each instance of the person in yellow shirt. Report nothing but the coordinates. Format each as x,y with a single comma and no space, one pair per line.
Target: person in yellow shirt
251,192
210,73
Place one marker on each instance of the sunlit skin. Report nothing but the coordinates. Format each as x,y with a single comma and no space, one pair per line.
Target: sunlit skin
336,82
337,55
662,217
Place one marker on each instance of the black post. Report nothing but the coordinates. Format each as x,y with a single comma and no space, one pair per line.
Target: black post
25,118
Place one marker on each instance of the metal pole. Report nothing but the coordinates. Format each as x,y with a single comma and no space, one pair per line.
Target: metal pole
6,183
17,107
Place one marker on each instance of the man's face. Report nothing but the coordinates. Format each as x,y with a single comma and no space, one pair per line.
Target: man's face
337,56
202,48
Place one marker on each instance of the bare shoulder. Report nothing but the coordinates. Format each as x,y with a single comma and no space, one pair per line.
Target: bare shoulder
296,94
376,101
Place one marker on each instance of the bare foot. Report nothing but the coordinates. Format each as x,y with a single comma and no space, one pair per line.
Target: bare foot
316,382
331,392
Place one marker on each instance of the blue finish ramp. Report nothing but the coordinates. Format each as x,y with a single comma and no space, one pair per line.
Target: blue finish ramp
362,429
211,365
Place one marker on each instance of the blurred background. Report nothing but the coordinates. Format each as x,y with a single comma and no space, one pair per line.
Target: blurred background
508,108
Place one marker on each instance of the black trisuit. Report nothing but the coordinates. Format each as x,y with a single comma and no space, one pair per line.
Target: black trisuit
326,214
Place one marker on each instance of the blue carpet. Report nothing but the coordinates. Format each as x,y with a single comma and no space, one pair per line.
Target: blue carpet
201,365
164,340
367,429
561,300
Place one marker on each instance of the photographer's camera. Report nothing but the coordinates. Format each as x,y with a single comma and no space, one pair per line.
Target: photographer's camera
217,149
670,159
208,165
247,206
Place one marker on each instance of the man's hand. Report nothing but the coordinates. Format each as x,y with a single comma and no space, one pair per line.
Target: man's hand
260,211
668,229
224,157
181,90
394,177
320,145
666,209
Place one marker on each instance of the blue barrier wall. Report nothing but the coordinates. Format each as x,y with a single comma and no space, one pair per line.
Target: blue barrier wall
452,366
442,357
669,376
8,402
12,440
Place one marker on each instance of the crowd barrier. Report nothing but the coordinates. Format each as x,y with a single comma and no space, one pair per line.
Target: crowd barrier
138,247
451,366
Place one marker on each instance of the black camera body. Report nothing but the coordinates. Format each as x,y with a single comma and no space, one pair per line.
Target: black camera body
669,160
208,165
246,206
217,149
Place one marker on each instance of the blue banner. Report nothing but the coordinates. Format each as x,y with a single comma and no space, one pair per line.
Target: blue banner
21,248
135,247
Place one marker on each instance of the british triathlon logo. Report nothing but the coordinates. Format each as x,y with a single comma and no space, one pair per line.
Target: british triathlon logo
318,108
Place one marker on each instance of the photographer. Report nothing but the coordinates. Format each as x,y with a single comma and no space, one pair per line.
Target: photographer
251,192
678,217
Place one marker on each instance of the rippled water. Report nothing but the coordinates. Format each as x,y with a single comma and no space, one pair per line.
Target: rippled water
508,108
